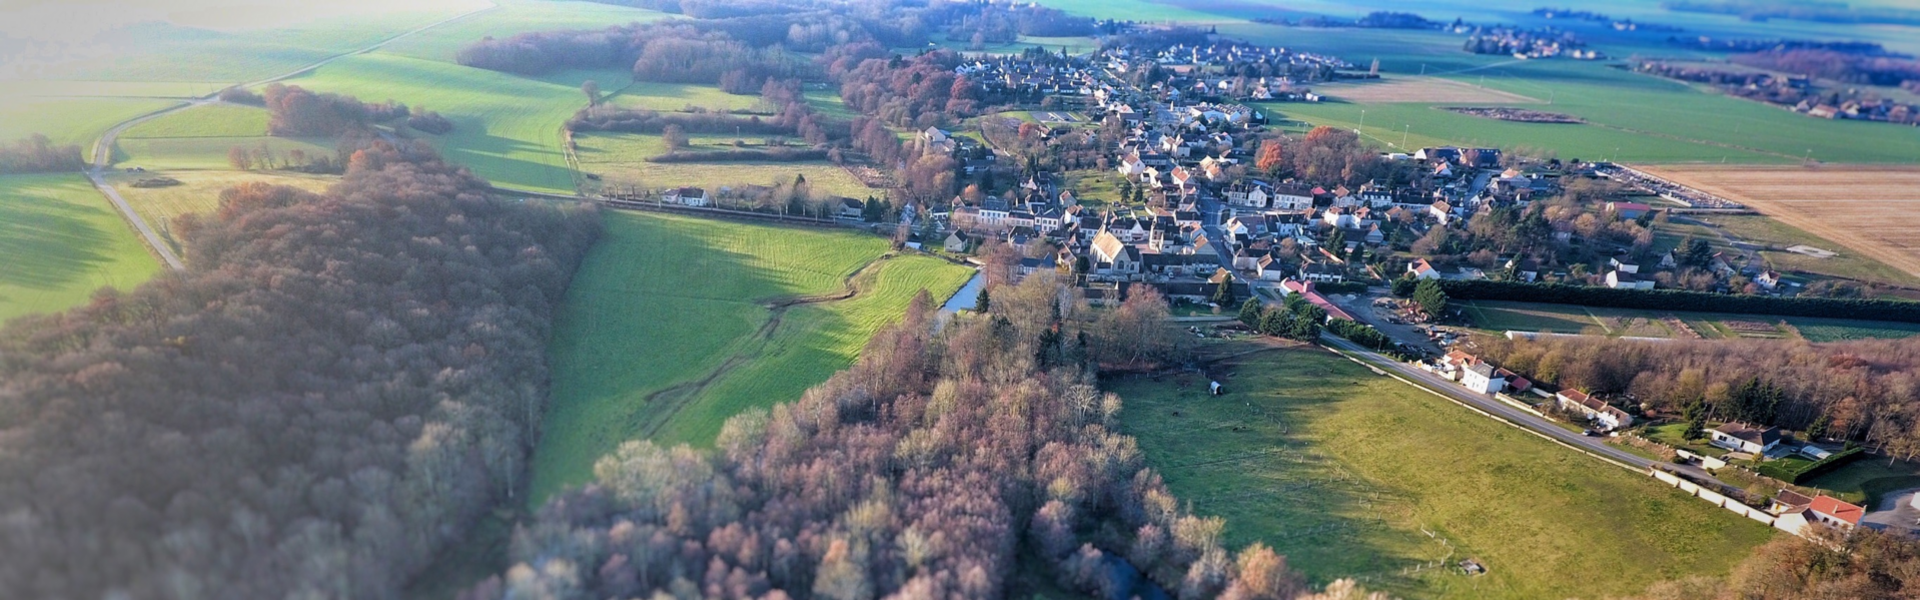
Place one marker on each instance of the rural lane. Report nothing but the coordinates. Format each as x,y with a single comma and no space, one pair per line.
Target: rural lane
103,148
1505,412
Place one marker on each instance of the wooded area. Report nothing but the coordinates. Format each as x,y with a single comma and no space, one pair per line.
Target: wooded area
336,389
927,470
37,154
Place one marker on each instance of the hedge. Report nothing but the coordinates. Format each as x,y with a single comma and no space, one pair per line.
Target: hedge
1555,293
1774,470
1344,287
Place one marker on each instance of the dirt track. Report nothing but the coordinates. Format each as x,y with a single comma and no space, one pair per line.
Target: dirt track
1873,210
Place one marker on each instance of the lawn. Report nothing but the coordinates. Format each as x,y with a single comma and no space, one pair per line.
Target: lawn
506,128
199,192
1347,473
62,241
1867,479
621,160
667,331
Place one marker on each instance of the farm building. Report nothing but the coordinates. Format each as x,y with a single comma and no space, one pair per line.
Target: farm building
1743,437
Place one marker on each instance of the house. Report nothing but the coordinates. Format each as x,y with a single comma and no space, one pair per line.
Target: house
957,241
1788,500
852,209
1291,197
1483,377
689,196
1322,272
1821,510
1628,210
1768,279
1305,290
1115,256
1620,279
1743,437
1623,266
1578,402
1421,269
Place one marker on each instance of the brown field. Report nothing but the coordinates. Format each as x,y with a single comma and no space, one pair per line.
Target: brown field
1419,89
1873,210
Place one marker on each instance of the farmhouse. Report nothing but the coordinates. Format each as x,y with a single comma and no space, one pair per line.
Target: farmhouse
690,196
1578,402
1822,510
1743,437
1421,269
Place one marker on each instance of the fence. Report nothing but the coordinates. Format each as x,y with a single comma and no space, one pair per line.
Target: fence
1712,497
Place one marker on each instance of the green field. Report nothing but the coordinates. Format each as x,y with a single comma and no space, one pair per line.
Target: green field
210,120
515,17
209,153
620,159
506,128
1500,316
198,192
672,97
1343,471
77,121
668,330
62,241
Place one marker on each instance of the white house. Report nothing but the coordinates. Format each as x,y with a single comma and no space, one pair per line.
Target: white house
1620,279
1291,197
1483,377
1421,269
1823,510
1579,402
689,196
1743,437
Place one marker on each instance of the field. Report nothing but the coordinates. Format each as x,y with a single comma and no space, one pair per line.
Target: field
1499,316
199,192
1346,473
620,159
675,323
515,17
674,97
1871,210
209,120
62,241
1419,89
69,120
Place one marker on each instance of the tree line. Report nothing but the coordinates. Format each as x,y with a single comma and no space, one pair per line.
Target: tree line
38,154
1867,565
1865,391
928,469
1660,299
336,388
673,52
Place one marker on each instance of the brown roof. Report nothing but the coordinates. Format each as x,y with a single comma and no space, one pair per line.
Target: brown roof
1792,498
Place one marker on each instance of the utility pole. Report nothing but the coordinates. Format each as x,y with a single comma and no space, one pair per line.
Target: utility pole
1403,134
1363,121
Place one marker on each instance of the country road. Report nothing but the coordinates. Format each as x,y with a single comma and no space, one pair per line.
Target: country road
1594,446
103,147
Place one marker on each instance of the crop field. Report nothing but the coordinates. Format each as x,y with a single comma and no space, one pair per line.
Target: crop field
1501,316
1773,238
1350,474
675,323
506,128
620,159
209,120
1870,210
1419,89
62,241
198,192
207,153
69,120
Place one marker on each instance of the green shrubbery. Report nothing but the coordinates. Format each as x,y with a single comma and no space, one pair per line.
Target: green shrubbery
1855,308
1777,470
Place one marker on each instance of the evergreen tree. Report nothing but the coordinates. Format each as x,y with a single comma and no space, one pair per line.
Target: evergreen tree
1275,322
1250,312
1403,287
1430,297
1696,413
1223,293
982,301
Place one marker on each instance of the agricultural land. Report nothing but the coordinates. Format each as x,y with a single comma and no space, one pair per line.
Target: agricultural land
675,323
1870,210
62,241
1350,474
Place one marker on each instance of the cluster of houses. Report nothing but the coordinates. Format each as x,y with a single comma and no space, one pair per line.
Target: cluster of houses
1019,77
1525,43
1233,70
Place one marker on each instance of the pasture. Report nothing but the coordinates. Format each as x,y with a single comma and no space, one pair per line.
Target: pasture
198,193
674,324
1435,90
675,97
208,120
620,160
1350,474
506,128
513,17
62,241
1870,210
1497,317
69,120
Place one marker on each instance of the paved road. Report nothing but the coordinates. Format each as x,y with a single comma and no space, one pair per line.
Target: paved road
103,148
1506,412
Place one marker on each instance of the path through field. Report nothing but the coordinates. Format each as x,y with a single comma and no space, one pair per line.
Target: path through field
1873,210
103,148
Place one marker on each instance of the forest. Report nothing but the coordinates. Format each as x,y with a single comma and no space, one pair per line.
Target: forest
336,388
37,154
1865,391
933,468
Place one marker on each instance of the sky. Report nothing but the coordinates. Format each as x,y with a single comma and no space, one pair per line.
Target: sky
75,20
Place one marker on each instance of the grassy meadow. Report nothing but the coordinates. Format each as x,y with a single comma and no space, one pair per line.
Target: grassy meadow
69,120
1347,473
620,159
198,192
513,17
62,241
667,329
1497,316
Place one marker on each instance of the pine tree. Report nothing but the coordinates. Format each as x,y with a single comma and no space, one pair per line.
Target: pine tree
980,302
1250,312
1223,293
1430,297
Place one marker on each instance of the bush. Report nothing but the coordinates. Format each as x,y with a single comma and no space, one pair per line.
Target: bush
1345,287
1554,293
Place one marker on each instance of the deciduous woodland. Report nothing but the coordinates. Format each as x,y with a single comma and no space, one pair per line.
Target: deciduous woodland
37,154
337,387
927,470
1866,391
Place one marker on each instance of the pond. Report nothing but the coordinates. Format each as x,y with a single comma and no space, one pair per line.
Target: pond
968,295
